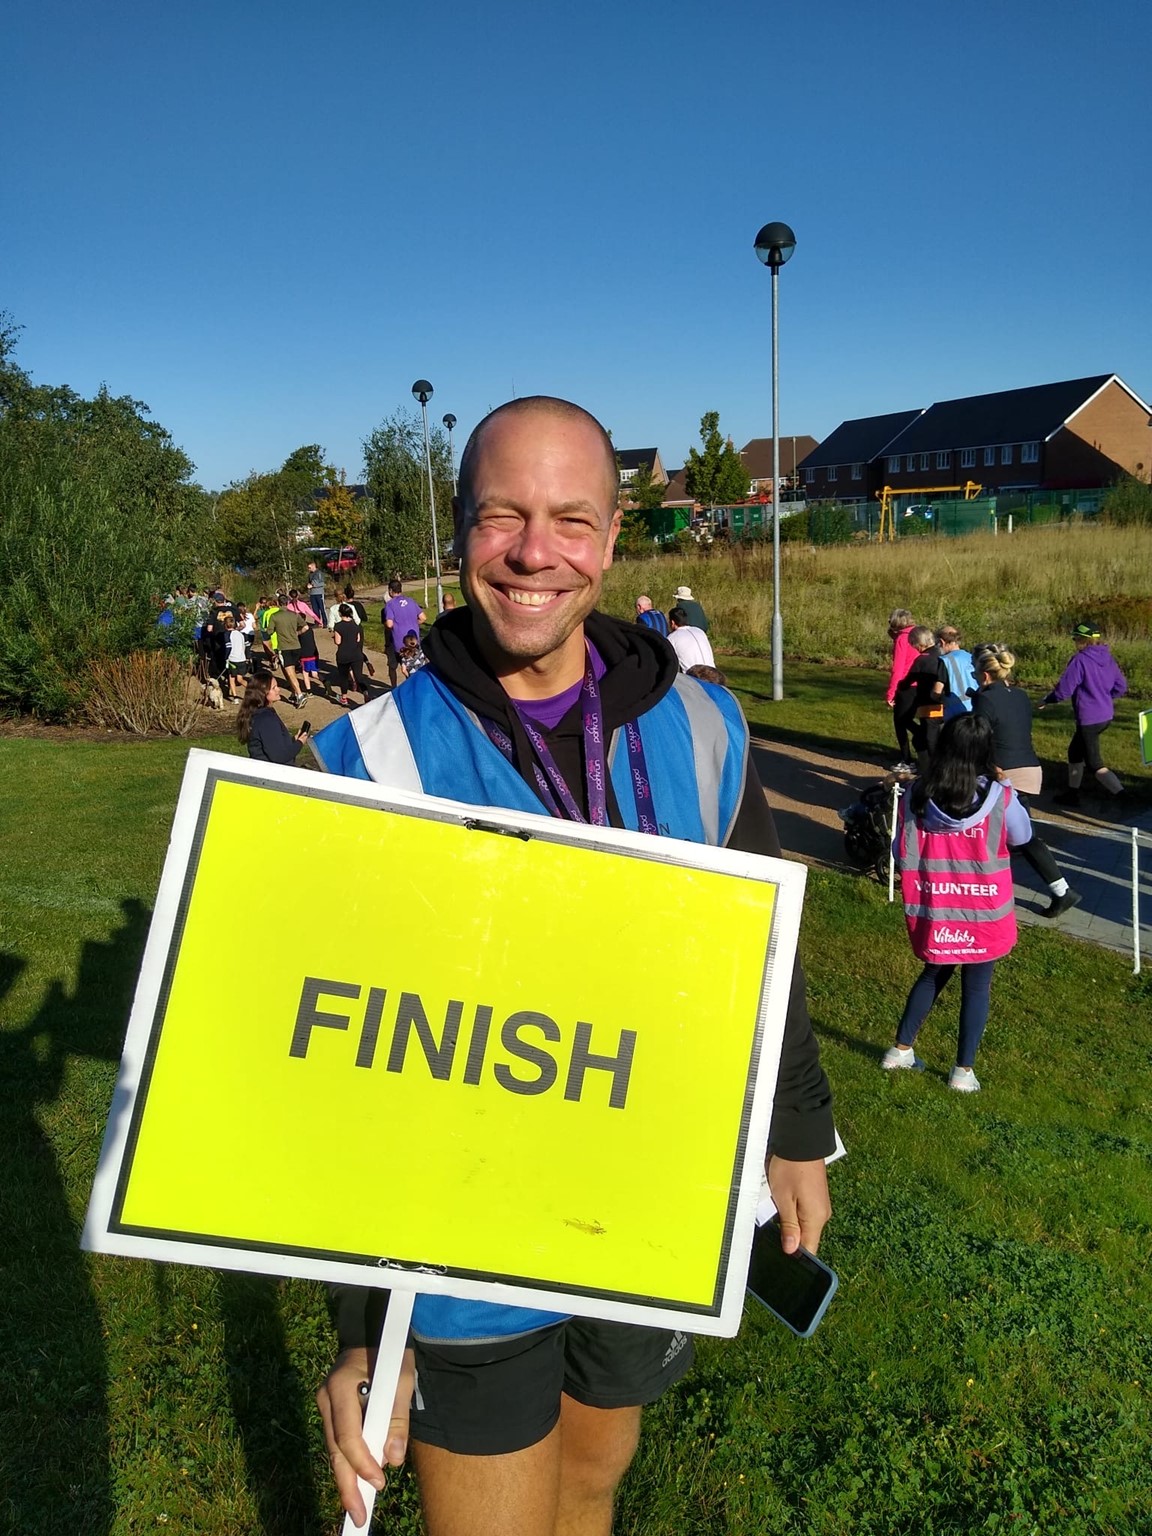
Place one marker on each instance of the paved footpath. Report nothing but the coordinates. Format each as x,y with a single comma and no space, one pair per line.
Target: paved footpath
806,788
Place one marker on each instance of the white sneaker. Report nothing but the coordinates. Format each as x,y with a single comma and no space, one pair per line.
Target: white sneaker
964,1080
901,1056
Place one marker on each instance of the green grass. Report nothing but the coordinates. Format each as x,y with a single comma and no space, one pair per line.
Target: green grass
984,1369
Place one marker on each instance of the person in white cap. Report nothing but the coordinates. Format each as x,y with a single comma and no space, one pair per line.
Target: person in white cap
696,615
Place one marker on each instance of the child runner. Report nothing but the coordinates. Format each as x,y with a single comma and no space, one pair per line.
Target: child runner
309,656
349,654
411,657
238,666
954,830
1092,680
962,684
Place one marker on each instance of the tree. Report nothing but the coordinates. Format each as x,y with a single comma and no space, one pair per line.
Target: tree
397,535
643,492
337,519
716,475
98,519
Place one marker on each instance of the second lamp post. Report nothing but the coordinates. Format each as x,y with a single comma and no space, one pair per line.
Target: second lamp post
774,244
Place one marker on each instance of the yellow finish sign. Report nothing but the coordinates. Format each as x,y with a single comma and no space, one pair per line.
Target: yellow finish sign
451,1054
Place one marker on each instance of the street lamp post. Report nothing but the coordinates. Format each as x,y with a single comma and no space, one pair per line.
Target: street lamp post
449,423
774,245
422,391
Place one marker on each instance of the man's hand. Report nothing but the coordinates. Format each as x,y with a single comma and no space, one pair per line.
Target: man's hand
800,1191
342,1409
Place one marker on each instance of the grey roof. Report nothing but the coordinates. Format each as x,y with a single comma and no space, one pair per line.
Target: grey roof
856,442
1008,416
632,458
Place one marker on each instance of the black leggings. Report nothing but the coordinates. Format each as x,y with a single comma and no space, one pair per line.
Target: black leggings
1037,853
352,676
1085,746
904,719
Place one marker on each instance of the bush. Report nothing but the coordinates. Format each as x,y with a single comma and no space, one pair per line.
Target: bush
1129,502
141,692
830,523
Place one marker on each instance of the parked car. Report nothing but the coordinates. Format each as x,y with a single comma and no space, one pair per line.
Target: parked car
343,561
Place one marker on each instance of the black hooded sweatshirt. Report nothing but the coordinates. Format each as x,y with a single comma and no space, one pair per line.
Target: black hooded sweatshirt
640,669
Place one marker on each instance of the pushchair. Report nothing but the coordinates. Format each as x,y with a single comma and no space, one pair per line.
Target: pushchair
868,827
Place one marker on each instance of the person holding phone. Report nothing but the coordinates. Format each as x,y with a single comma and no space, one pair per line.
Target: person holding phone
258,725
524,1420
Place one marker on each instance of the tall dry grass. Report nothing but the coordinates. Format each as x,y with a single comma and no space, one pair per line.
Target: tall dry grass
142,692
1025,589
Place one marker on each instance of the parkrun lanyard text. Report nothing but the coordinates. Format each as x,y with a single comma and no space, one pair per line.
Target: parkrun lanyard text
550,781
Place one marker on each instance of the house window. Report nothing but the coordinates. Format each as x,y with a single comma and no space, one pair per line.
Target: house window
967,458
894,464
909,463
809,477
833,470
857,471
1029,453
943,460
924,461
1006,454
989,457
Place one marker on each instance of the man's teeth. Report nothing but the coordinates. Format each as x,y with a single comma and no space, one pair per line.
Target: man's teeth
530,599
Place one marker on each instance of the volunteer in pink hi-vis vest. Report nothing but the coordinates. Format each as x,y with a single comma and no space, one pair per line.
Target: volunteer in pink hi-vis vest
956,825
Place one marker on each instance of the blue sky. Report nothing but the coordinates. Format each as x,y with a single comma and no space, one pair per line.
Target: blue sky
266,220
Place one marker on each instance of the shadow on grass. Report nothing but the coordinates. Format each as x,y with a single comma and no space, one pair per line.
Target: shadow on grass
269,1404
51,1337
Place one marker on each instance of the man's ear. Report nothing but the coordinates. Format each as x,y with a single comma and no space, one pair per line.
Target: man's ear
613,535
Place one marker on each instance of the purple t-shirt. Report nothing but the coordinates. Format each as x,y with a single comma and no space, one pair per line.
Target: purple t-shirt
405,617
550,712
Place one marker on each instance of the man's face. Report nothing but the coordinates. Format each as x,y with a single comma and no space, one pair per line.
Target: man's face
538,533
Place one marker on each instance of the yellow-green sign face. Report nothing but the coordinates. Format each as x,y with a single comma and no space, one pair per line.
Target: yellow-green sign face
457,1053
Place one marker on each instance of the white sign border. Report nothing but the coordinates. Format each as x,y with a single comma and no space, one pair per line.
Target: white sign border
788,878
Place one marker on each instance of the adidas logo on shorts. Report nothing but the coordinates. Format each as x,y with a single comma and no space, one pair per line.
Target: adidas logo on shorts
678,1342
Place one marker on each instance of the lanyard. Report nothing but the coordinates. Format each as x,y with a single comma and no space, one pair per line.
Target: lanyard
550,781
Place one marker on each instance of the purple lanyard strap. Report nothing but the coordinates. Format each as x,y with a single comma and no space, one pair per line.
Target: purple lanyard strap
550,784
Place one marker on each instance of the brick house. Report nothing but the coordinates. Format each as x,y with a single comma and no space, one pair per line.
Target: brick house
630,461
1066,436
849,465
757,456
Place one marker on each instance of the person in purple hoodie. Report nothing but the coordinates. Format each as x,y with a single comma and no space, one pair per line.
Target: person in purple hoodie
1091,680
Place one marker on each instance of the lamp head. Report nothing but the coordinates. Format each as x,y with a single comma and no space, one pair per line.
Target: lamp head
422,391
449,421
775,244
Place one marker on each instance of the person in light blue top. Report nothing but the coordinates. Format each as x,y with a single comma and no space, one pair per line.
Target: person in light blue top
963,685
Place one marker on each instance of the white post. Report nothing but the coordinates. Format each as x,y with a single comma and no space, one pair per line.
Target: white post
891,840
1009,522
381,1396
1135,902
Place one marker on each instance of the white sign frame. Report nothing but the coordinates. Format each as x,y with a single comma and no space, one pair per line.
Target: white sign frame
203,770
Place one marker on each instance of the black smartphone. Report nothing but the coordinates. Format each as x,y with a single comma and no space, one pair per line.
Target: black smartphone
305,727
795,1287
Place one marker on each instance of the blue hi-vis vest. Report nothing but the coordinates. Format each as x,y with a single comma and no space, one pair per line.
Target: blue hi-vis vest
421,738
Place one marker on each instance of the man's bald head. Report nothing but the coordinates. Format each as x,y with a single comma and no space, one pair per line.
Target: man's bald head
544,406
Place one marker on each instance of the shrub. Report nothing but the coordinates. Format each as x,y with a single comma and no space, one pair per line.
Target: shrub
830,523
1128,502
141,692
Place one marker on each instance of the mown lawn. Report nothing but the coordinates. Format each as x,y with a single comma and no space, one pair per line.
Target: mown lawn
984,1369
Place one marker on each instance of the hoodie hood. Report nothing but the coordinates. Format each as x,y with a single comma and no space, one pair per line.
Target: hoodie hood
936,820
640,668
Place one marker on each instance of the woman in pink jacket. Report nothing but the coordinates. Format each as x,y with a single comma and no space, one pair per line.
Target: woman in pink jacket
900,626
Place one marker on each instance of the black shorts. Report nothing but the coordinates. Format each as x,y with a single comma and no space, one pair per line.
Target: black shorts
239,668
288,658
494,1398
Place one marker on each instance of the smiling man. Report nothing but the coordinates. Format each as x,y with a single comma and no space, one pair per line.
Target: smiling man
524,1421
